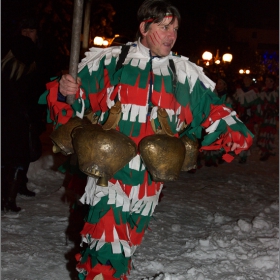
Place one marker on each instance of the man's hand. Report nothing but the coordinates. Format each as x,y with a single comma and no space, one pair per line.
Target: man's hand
68,86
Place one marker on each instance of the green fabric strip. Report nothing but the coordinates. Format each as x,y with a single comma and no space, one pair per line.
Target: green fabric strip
139,221
97,211
104,256
130,176
130,128
131,73
182,93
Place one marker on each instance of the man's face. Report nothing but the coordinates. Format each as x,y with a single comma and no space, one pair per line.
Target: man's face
31,33
160,37
220,86
247,81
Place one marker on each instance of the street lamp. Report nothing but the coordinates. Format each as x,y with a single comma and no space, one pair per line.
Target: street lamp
98,41
209,59
227,57
207,56
215,64
244,71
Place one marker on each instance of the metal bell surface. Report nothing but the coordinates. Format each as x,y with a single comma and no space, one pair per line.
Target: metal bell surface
61,137
163,156
192,151
101,153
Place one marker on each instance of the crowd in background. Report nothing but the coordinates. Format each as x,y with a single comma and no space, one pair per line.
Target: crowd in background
257,105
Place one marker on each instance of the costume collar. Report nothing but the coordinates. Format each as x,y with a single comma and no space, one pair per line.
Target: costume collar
146,52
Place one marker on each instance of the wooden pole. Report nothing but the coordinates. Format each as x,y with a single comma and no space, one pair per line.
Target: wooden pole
75,43
86,25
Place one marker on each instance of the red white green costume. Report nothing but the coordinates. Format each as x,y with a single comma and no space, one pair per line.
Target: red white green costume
270,116
119,214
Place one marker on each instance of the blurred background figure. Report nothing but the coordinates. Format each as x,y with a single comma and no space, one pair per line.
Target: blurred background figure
24,75
213,158
221,88
269,96
18,68
45,53
247,107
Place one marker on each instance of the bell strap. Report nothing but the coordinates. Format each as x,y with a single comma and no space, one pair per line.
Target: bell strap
114,117
163,120
91,116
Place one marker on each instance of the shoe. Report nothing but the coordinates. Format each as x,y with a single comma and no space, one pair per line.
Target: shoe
14,177
10,206
221,161
23,190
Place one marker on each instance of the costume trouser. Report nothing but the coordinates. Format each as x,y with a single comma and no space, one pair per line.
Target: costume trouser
117,219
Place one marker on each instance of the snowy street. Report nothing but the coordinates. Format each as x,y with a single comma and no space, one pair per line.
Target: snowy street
220,223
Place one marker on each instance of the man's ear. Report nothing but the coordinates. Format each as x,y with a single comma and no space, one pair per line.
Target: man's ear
142,28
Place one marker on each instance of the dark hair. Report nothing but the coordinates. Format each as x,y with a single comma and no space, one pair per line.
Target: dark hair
20,60
154,11
23,49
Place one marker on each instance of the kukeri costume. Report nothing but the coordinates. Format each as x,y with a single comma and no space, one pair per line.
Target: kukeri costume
270,115
150,94
248,109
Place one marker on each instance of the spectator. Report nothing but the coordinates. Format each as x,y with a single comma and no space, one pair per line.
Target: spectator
248,109
21,118
270,114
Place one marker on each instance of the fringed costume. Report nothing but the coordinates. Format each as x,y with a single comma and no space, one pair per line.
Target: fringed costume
120,213
270,116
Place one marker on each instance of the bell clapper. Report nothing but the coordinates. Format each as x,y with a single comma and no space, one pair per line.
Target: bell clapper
56,149
102,182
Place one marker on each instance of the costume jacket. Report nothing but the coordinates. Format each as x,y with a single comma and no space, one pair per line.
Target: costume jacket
119,214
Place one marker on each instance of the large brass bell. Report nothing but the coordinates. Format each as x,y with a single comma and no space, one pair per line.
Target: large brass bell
61,137
101,153
191,147
163,156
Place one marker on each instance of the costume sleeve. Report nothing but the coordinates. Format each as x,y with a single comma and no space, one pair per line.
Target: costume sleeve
96,71
208,118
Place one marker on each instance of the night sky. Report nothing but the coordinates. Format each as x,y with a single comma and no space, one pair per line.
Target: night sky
205,23
198,17
247,13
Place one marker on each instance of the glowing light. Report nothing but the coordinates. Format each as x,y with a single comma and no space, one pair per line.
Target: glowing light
98,41
247,71
217,61
105,43
207,56
207,63
241,71
227,57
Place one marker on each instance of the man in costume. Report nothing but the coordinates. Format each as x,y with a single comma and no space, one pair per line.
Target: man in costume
151,78
269,96
248,108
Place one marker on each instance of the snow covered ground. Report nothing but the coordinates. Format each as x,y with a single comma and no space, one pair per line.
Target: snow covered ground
220,223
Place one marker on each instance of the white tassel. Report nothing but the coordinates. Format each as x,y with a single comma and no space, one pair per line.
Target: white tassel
99,277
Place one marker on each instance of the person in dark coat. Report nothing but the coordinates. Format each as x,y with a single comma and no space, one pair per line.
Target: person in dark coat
21,117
